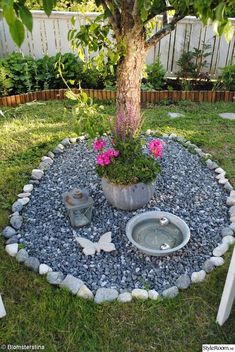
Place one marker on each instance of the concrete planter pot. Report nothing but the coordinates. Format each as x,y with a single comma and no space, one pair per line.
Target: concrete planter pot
127,197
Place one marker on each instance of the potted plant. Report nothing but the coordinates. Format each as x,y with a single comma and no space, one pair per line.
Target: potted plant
127,171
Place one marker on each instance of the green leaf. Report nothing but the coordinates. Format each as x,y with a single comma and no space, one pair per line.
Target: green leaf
9,14
26,17
17,32
220,11
70,95
73,20
81,54
228,31
48,6
143,14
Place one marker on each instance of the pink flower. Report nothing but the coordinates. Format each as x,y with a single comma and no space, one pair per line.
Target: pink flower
156,148
104,159
112,153
99,144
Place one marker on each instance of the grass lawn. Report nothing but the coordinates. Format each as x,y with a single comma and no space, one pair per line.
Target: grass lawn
38,314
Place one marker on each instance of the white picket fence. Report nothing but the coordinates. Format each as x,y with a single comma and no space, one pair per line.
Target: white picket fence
49,36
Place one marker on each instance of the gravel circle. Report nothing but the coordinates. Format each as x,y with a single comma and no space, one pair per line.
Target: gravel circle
185,187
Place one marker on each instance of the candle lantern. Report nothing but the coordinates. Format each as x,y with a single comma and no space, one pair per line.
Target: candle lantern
79,206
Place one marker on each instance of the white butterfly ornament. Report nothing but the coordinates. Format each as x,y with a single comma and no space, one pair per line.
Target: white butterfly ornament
104,244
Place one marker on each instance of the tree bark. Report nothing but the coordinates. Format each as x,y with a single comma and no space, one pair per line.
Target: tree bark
129,82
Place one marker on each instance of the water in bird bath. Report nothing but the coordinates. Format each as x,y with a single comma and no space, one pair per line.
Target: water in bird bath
153,235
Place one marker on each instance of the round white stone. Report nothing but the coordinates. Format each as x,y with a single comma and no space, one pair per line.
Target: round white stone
232,210
232,219
228,186
222,181
139,293
81,138
51,155
105,295
124,297
47,159
153,294
228,240
44,269
148,132
2,308
220,250
198,276
12,249
220,176
23,201
72,283
217,261
24,195
85,292
28,188
219,170
37,174
232,193
227,115
232,227
170,292
230,201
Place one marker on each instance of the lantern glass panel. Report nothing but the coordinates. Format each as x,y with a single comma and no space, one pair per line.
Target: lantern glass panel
79,206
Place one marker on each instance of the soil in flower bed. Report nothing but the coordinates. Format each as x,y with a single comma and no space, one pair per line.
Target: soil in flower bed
185,187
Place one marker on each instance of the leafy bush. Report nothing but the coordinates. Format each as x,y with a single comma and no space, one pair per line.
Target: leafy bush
90,117
131,166
21,71
147,87
228,77
5,81
187,65
155,75
27,74
191,64
66,5
45,73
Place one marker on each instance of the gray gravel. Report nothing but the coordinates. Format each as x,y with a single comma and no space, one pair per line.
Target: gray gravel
185,187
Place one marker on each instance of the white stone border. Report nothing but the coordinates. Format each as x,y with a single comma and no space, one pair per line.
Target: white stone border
77,286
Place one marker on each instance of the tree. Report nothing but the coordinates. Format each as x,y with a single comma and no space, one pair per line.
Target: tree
129,21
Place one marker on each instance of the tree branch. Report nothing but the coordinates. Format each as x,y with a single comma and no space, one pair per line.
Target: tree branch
114,21
165,18
154,14
169,27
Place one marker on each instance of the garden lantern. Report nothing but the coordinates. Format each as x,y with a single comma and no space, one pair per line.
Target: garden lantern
79,206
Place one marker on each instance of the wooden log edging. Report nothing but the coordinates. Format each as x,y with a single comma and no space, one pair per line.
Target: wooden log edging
146,97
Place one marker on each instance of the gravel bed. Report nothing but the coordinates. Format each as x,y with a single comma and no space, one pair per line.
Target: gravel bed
185,187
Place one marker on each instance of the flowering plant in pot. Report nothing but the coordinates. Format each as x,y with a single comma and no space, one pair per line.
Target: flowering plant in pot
127,171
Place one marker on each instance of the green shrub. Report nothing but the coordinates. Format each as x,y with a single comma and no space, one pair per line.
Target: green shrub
90,117
187,65
191,64
5,81
228,77
72,69
156,74
21,71
46,73
66,5
21,74
147,87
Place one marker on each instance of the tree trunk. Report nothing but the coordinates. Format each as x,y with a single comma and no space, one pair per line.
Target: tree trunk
129,83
